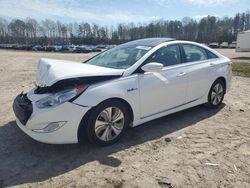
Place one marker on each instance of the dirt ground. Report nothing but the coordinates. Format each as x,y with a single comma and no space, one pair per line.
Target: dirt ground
193,148
235,56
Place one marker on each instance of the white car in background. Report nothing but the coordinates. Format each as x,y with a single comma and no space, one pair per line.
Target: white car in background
224,45
233,44
125,86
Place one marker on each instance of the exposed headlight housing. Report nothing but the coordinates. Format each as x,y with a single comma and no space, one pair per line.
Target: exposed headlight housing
60,97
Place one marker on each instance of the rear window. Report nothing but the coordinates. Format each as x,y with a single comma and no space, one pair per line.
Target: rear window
194,53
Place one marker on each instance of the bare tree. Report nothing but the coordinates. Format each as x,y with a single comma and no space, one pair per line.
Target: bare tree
56,32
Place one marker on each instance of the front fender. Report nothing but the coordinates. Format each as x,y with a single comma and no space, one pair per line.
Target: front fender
125,88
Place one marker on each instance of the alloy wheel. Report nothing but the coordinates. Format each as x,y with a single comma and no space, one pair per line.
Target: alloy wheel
217,94
109,124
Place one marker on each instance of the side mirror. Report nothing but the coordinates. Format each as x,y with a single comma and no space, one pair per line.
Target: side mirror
152,67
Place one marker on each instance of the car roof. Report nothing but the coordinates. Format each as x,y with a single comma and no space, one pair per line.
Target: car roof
152,42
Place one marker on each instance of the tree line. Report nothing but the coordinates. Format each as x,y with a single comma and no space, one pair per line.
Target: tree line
206,30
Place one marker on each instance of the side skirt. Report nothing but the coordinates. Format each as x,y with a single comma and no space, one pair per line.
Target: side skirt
170,108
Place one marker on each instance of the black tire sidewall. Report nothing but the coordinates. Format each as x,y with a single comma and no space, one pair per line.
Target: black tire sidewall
90,124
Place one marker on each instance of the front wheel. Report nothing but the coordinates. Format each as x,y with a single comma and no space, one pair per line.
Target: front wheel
107,122
216,94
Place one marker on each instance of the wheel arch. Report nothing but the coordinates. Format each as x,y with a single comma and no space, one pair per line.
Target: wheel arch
223,79
80,131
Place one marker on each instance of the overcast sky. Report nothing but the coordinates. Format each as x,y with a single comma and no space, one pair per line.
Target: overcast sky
106,12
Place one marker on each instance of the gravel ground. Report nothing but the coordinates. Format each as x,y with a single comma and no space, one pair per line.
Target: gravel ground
197,147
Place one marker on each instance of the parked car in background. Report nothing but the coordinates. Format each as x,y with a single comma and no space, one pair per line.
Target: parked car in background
95,49
224,45
233,44
49,48
17,46
110,46
57,48
128,85
214,45
37,48
10,46
71,48
101,46
82,49
77,49
65,48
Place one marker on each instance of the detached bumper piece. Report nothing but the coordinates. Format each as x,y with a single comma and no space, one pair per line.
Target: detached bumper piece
22,107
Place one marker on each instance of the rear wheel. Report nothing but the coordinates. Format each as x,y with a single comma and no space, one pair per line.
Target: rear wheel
216,94
107,122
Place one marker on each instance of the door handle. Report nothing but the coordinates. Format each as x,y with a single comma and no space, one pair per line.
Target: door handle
181,74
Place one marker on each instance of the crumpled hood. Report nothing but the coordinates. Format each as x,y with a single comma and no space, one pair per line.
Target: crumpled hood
50,71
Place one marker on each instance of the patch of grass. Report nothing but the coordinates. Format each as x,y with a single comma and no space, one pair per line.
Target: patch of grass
241,69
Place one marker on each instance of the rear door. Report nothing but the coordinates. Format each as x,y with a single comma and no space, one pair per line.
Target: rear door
199,71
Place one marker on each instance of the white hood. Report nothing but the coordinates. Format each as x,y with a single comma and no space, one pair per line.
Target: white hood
49,71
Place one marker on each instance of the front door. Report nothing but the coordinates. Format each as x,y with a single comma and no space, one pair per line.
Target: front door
165,90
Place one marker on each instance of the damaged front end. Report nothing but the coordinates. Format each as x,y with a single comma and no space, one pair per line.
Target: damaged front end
58,82
22,107
72,83
66,90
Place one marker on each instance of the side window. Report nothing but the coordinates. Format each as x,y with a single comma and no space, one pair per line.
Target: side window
167,56
211,55
194,53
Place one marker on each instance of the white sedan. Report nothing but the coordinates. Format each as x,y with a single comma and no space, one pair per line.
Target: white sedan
125,86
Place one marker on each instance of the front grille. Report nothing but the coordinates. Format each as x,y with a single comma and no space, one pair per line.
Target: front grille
22,107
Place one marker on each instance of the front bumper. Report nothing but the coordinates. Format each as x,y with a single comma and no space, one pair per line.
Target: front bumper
22,107
67,112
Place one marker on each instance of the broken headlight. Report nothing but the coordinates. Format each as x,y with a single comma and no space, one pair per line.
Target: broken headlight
60,97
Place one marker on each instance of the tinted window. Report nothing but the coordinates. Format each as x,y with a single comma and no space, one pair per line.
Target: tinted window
167,56
194,53
211,55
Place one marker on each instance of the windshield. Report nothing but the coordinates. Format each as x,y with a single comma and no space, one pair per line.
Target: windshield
120,57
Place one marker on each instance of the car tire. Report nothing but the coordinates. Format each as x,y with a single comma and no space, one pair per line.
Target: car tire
102,128
216,94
